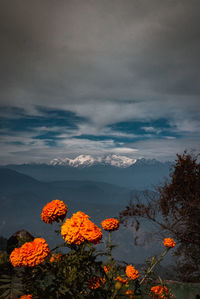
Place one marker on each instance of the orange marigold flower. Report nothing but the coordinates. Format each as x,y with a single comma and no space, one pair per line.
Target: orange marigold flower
110,224
107,268
56,257
26,297
79,228
168,242
95,282
91,232
53,211
30,253
131,272
130,293
16,257
122,280
159,292
81,215
71,229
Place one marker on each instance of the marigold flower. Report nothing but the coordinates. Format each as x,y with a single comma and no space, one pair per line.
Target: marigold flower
70,231
30,253
53,211
79,228
159,292
130,293
168,242
81,215
16,257
91,232
107,268
122,280
56,257
95,282
110,224
26,297
131,272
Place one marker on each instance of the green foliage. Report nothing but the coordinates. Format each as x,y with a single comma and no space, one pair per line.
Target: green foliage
75,272
11,285
67,277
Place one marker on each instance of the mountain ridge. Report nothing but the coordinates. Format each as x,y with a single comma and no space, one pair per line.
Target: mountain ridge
88,161
143,174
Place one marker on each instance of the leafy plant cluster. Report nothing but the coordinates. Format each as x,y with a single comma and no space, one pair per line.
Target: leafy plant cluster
75,268
68,277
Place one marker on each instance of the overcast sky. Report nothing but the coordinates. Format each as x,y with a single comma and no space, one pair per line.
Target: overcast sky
98,77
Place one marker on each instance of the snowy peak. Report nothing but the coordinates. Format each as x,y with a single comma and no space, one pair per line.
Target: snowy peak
119,161
88,160
82,160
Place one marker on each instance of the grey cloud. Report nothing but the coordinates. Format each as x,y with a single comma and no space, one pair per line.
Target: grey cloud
108,61
75,51
164,149
40,152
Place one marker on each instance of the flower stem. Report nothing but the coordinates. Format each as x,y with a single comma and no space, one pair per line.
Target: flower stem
154,264
109,248
114,294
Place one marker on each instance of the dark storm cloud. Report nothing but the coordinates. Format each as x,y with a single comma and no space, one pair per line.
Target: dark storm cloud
107,63
98,50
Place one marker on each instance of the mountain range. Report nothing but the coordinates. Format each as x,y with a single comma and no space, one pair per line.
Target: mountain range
88,161
118,170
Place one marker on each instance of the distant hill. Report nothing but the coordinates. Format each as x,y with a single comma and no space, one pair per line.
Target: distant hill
22,197
12,181
143,174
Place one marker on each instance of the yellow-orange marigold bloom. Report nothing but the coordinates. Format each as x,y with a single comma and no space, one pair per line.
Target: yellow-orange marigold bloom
122,280
168,242
95,282
91,232
71,229
30,253
26,297
110,224
131,272
56,257
81,215
159,292
79,228
53,211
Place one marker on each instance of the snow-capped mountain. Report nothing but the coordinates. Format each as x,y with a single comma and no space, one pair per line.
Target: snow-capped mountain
88,160
113,169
